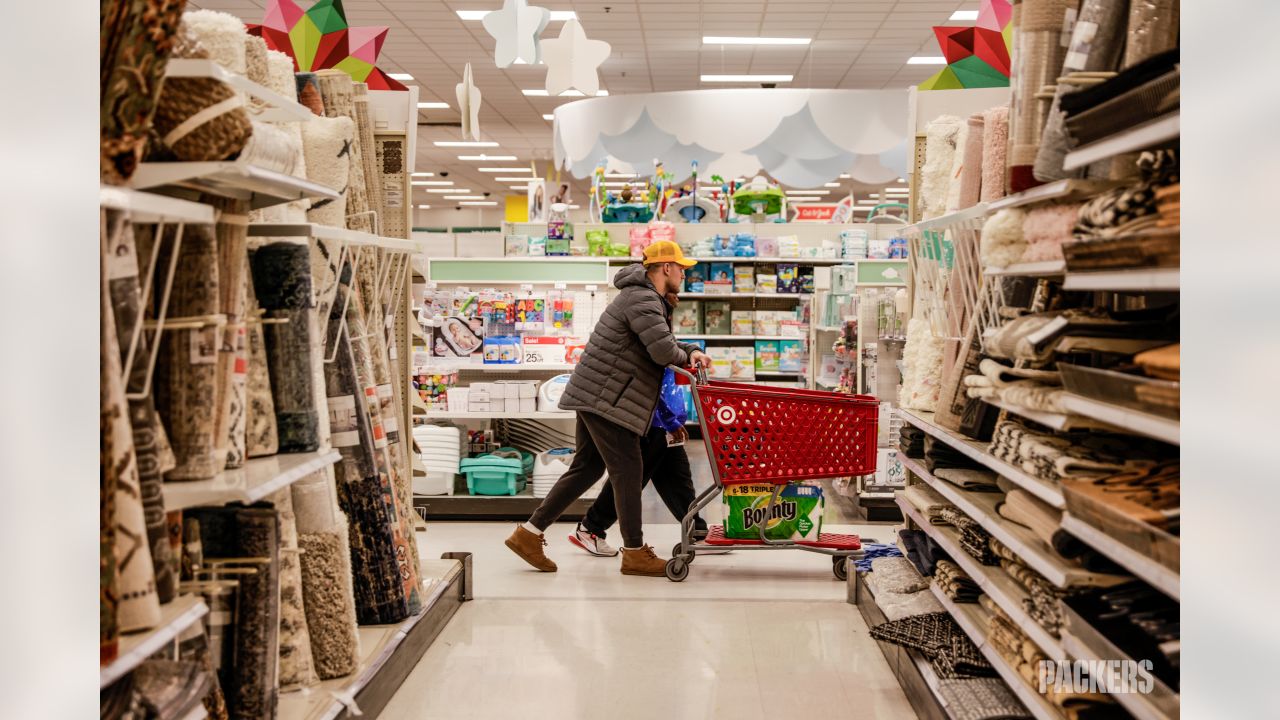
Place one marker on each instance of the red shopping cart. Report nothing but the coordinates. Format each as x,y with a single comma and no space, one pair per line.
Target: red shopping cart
767,435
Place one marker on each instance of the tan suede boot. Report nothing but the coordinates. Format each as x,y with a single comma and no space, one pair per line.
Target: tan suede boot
643,562
529,547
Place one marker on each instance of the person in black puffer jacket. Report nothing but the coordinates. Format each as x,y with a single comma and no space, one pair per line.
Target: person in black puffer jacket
614,391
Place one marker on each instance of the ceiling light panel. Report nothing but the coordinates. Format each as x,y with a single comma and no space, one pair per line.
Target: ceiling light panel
465,143
479,202
505,169
433,106
433,182
463,197
926,60
400,76
487,158
963,15
448,190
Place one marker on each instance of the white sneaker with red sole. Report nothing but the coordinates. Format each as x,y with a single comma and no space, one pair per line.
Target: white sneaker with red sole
592,543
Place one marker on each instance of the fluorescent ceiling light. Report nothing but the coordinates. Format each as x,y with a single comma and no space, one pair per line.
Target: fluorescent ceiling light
831,185
433,106
902,180
479,14
463,197
465,143
741,40
567,93
747,78
927,60
513,179
964,15
495,158
422,174
897,191
478,202
845,176
432,182
424,207
575,207
548,116
400,76
507,169
448,190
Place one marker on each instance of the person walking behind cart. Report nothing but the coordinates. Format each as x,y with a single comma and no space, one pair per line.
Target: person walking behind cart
666,464
614,390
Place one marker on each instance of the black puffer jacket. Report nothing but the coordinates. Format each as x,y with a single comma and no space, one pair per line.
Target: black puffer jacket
620,373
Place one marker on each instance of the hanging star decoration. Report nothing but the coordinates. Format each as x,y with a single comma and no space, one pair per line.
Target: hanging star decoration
469,104
516,28
978,56
320,38
573,60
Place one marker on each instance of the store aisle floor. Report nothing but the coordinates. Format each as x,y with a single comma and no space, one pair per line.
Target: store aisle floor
748,635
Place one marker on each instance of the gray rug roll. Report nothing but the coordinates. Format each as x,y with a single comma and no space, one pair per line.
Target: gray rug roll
260,411
282,278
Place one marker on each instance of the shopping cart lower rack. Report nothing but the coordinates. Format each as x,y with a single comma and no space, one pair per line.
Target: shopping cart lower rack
767,435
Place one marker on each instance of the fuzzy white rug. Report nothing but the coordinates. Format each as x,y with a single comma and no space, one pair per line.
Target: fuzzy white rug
1002,242
939,157
222,34
922,358
326,143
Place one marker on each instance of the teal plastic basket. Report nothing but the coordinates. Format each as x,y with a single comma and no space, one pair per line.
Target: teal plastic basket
488,475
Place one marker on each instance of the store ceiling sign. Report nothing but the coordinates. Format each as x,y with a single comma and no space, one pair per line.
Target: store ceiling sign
798,137
816,213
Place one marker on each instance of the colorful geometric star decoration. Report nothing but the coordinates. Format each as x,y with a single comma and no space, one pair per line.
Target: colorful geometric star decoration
320,38
978,56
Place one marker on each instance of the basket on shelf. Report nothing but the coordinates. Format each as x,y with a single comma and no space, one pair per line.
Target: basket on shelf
489,475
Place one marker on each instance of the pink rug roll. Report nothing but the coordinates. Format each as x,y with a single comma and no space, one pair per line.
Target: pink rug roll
971,170
995,148
1045,228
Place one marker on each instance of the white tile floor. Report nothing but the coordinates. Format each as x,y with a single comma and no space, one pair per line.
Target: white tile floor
747,635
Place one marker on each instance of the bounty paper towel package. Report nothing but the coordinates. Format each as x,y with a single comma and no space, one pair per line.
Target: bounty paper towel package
796,516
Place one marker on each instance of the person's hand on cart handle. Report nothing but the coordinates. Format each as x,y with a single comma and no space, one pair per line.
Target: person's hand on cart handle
699,359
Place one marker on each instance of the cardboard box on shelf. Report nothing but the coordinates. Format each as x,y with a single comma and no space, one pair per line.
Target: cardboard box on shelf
766,322
717,319
792,355
687,318
744,278
768,356
742,321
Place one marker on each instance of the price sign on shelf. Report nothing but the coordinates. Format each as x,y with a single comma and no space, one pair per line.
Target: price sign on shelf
592,288
527,287
561,286
533,357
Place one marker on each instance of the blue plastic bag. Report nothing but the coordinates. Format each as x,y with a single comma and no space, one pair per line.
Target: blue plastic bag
670,414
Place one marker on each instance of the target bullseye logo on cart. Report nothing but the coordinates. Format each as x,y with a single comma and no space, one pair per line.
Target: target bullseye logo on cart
726,415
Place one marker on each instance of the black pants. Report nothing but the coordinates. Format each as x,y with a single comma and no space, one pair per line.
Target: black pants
668,467
601,445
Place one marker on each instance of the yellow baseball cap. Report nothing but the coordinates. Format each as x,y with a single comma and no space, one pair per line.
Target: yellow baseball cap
666,251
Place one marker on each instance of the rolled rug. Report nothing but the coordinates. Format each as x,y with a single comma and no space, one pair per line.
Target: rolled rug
375,313
122,274
1096,45
995,144
336,91
137,606
260,416
327,593
222,35
368,151
186,374
1040,52
957,169
366,379
971,163
248,537
308,92
379,593
296,669
135,44
326,143
1045,228
1153,29
233,258
282,278
255,60
939,156
1002,241
272,147
200,119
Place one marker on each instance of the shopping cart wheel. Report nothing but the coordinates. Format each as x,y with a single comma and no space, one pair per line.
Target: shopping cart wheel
675,552
839,566
677,569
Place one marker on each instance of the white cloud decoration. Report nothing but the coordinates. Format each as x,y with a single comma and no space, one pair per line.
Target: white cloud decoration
802,138
573,60
516,28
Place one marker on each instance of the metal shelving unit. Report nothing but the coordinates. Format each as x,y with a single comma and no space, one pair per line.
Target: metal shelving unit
258,478
175,616
230,178
1126,280
1141,137
1162,578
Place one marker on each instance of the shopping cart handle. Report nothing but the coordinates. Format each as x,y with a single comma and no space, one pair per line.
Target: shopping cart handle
685,377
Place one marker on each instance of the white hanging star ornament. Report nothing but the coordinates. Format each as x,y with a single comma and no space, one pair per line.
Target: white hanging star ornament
516,28
469,104
573,60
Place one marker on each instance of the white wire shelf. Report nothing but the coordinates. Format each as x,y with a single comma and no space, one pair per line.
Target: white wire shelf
1051,420
145,207
231,178
278,108
983,507
1048,268
1134,280
976,451
539,415
1136,138
975,622
970,213
336,234
1058,190
1134,421
993,581
1153,573
175,616
1083,642
255,481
